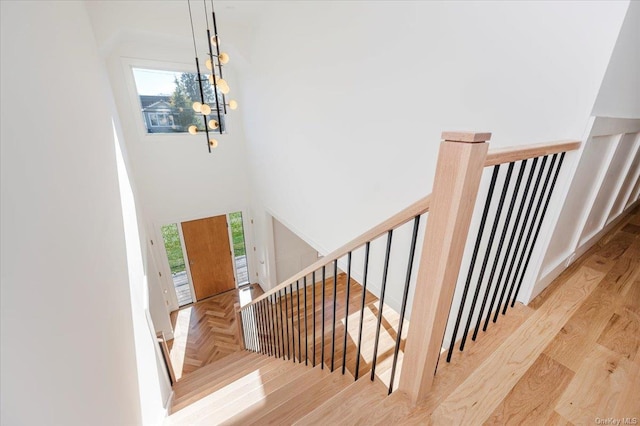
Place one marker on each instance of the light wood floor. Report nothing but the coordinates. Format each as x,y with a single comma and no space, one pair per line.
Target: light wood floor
570,357
206,331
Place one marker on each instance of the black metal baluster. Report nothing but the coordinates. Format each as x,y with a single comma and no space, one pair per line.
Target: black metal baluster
324,286
364,297
265,326
313,303
265,320
476,247
299,331
278,301
260,328
511,238
496,221
346,314
485,261
503,235
544,211
274,327
333,329
528,211
523,202
381,304
286,321
293,330
412,252
306,340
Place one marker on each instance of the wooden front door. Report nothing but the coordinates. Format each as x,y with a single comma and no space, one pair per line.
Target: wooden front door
209,253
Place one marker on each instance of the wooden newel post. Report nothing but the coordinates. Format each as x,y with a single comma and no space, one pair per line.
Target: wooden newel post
458,173
240,328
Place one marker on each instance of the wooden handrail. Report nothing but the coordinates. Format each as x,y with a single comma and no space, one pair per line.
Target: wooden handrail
419,207
518,153
162,340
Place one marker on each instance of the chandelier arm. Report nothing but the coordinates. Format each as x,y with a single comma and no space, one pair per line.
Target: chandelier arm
215,83
206,128
215,32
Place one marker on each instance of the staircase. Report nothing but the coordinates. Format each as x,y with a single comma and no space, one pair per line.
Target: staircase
248,388
322,349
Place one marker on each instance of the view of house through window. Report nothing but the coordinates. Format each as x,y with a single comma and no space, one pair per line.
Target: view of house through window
166,100
173,246
239,247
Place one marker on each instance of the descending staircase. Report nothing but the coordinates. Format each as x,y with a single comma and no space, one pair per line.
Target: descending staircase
250,388
279,379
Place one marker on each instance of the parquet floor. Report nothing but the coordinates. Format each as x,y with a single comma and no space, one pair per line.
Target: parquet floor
206,331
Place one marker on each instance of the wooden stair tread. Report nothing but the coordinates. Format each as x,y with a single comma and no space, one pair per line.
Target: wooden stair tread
349,403
241,395
218,366
279,396
296,400
214,375
207,388
265,369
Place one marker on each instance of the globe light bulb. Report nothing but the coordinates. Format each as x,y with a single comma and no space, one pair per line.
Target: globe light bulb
233,104
208,64
205,109
223,86
213,143
213,124
197,106
223,58
193,129
211,78
214,42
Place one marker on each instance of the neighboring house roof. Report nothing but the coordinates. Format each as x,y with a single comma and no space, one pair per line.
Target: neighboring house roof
148,100
159,106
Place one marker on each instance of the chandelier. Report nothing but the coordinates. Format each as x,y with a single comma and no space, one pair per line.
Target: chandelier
213,110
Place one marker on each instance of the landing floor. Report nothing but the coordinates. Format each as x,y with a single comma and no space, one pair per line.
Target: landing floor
206,331
571,357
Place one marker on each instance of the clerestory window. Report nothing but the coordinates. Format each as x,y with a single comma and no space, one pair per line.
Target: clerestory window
167,97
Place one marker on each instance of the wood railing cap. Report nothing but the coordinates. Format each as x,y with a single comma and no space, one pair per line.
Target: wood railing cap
469,137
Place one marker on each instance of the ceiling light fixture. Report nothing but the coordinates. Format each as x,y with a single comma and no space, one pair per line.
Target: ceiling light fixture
214,111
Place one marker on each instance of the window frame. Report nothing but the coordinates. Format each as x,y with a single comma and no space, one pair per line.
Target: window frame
128,65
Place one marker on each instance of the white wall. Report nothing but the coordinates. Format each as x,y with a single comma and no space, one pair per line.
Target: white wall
291,253
68,351
603,182
347,100
602,188
619,94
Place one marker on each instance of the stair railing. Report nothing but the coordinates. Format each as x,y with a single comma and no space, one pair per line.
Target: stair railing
462,160
269,322
280,324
